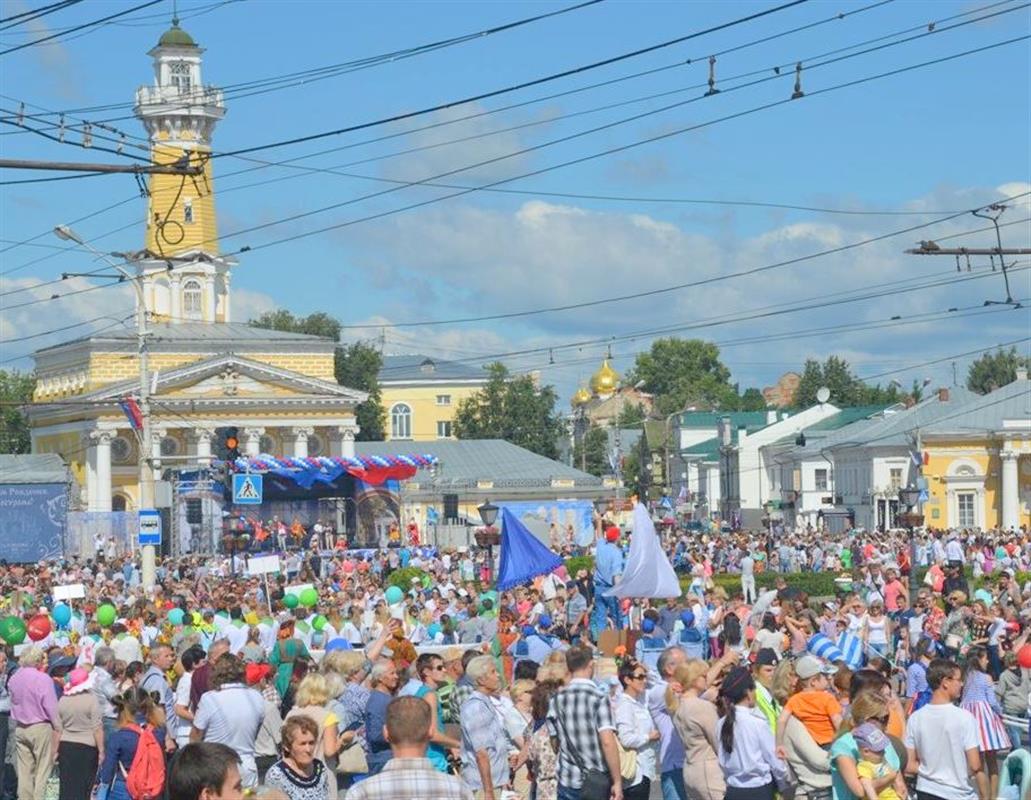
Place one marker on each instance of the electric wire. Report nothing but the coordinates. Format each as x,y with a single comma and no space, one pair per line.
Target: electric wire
95,22
31,16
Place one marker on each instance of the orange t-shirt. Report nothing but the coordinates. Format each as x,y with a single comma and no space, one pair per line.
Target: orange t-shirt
815,710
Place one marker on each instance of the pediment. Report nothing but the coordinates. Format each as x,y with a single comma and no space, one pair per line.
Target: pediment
233,377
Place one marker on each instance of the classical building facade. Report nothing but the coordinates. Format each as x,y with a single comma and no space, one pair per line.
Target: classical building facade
420,395
207,375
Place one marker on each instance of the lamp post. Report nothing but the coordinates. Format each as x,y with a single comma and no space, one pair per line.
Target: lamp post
909,497
146,475
488,535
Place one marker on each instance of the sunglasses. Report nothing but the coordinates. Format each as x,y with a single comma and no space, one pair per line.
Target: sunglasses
638,677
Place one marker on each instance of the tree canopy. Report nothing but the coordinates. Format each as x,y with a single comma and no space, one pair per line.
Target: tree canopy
994,370
355,366
846,389
591,454
512,408
682,372
15,388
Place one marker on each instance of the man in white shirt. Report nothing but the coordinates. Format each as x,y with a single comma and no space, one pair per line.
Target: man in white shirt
942,741
748,577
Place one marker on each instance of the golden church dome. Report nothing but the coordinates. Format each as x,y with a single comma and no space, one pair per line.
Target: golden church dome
581,397
605,380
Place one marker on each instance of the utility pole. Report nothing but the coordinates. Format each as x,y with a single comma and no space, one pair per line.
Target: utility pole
146,473
994,211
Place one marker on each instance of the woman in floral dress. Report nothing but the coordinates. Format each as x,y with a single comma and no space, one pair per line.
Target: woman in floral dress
541,758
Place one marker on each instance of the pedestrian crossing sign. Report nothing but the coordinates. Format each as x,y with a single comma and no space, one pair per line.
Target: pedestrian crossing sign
247,489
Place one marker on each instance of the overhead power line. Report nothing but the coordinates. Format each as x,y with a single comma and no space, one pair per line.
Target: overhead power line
28,16
78,27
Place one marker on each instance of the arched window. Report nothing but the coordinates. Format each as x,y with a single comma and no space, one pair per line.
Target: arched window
192,300
401,422
179,74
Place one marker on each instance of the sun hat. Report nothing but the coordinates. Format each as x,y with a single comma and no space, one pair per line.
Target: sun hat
869,737
78,681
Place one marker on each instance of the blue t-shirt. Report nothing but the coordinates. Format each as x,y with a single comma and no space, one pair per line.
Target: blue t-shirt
845,745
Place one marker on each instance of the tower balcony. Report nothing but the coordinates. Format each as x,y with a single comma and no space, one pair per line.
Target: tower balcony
170,100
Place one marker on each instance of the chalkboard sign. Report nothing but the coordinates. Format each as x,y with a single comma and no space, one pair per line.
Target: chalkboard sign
32,521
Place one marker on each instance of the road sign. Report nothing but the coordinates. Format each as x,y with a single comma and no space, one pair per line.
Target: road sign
247,489
150,527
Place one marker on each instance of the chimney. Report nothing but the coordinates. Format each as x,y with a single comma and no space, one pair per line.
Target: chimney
771,416
1022,374
943,395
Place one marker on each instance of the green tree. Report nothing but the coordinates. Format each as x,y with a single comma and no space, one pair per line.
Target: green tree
994,370
15,389
752,400
591,454
355,366
631,415
845,388
512,408
682,372
318,324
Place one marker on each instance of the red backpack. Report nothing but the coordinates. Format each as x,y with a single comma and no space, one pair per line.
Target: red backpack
145,779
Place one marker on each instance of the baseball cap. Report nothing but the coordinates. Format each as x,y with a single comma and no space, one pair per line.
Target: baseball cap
809,666
767,657
544,621
647,625
869,737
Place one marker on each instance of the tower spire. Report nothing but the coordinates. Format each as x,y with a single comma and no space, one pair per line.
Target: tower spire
175,13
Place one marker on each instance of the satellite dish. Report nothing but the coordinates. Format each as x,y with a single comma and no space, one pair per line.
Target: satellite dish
823,394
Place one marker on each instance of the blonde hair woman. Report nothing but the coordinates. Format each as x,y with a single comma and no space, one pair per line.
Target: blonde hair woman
313,696
695,719
866,707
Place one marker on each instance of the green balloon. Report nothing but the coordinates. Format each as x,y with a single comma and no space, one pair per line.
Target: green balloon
290,601
309,598
12,630
106,615
319,622
427,581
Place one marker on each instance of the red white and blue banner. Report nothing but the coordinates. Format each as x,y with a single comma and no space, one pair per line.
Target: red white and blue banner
306,472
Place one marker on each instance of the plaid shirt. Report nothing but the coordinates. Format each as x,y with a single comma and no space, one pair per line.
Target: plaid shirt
575,715
412,779
463,691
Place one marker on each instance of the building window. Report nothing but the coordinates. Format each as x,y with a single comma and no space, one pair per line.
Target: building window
821,480
965,509
169,446
315,445
268,444
179,75
401,422
192,300
444,429
188,211
895,475
121,450
443,399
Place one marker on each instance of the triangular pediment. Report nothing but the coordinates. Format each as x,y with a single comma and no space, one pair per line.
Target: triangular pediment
230,376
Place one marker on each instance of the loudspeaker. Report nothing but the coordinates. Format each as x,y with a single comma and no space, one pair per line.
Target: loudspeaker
194,511
450,507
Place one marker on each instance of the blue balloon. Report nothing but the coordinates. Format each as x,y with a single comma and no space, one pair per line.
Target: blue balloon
175,616
338,644
394,595
62,615
433,630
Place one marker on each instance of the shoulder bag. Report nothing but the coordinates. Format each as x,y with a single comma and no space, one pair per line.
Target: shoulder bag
597,784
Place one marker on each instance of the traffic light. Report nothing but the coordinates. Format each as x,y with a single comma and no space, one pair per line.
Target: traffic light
227,443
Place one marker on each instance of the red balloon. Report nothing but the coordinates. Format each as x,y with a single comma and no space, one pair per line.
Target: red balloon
1024,656
38,627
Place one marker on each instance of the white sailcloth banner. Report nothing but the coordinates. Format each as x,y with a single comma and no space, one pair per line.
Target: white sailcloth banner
648,572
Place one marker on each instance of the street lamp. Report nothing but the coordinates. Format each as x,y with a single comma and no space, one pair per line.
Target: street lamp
146,475
909,497
488,535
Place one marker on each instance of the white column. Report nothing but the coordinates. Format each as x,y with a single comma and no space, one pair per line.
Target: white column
1010,503
341,440
252,441
175,289
90,466
300,436
200,440
209,287
225,297
102,445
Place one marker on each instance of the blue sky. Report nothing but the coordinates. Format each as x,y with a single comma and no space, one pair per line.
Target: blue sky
938,139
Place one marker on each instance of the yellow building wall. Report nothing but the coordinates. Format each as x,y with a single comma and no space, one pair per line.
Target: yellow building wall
942,456
108,368
168,232
70,447
423,402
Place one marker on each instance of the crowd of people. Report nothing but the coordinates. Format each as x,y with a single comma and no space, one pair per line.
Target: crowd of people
332,680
